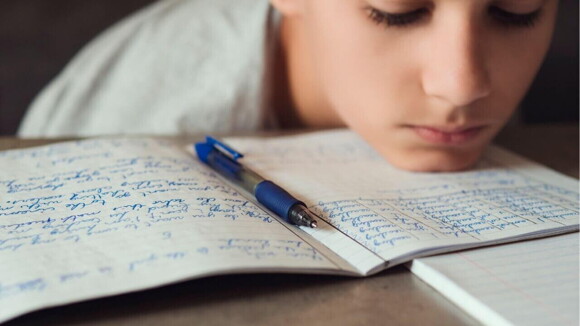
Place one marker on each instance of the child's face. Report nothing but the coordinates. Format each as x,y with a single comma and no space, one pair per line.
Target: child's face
426,83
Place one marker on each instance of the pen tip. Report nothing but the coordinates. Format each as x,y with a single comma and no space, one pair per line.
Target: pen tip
313,224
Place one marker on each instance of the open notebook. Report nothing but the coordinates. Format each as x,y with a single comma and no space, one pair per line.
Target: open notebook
98,217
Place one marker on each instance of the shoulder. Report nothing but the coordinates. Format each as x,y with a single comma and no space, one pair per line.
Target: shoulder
153,67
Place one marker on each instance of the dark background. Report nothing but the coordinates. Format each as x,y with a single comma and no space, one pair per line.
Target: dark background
38,37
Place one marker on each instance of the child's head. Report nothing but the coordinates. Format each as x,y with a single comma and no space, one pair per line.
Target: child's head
427,83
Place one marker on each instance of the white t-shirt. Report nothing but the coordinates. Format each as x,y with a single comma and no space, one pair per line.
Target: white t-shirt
174,67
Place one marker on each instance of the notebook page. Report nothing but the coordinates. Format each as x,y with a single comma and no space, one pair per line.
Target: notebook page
86,219
364,260
527,283
398,214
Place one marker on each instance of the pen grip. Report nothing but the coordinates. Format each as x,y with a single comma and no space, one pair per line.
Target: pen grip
275,198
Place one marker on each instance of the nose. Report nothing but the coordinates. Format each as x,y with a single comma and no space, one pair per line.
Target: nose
455,66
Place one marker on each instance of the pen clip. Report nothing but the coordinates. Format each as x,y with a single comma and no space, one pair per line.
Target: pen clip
232,153
204,148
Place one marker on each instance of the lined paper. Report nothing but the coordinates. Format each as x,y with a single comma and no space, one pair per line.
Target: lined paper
397,214
98,217
527,283
87,219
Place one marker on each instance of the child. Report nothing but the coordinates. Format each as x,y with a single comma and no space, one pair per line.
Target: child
427,83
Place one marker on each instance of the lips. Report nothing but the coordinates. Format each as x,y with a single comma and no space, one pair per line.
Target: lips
448,136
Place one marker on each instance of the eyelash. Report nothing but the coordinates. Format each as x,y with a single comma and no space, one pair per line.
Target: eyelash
510,19
399,20
504,18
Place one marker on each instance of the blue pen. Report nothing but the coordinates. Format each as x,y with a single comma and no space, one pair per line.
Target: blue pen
224,160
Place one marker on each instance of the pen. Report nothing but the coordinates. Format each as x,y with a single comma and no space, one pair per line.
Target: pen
224,160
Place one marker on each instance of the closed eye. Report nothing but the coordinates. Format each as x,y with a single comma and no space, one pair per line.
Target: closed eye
402,19
501,16
510,19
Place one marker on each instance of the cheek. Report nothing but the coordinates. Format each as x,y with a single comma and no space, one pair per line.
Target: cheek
360,70
514,62
514,72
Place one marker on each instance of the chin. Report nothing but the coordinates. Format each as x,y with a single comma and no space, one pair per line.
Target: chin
434,160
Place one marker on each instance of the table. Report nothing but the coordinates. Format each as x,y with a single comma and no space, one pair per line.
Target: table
393,296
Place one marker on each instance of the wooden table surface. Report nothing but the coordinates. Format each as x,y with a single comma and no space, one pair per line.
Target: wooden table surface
393,297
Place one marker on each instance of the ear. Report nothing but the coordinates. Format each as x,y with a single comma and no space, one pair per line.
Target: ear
289,7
